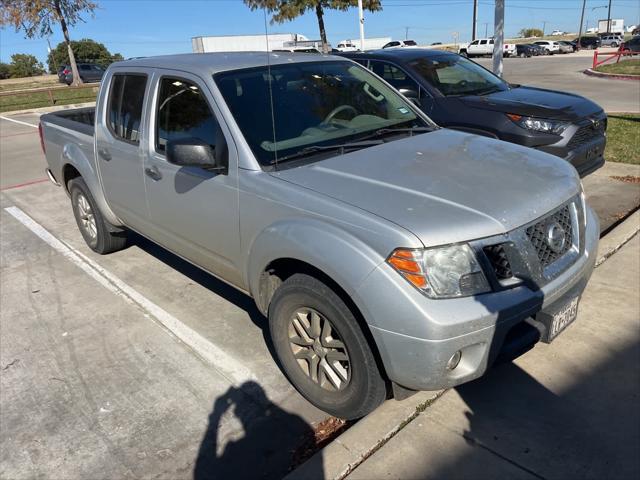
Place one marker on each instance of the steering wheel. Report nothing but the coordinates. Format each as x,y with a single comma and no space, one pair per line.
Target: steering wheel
329,118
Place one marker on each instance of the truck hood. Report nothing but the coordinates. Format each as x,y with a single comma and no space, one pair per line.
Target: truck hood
444,186
535,102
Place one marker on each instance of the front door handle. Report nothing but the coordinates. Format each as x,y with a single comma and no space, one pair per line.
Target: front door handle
104,154
153,173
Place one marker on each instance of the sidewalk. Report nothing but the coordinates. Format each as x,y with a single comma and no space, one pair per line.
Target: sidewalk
566,410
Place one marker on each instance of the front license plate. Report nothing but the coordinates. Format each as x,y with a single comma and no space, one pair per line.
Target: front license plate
560,319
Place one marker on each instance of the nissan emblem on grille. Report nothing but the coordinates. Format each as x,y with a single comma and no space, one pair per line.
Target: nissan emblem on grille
552,237
556,237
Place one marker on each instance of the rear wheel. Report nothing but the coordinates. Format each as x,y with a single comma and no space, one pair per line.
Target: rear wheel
323,350
100,235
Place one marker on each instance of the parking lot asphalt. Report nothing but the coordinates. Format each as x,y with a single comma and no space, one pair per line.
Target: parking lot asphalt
94,382
564,72
93,379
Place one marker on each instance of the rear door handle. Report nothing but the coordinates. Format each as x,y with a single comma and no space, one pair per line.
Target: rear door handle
104,154
153,173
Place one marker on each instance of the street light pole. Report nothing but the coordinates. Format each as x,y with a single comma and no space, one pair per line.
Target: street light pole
475,20
544,26
361,18
609,18
584,3
498,37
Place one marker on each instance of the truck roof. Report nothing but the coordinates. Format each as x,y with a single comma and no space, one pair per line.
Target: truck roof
211,63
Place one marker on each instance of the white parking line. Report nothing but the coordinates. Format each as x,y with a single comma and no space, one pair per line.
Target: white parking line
230,368
18,121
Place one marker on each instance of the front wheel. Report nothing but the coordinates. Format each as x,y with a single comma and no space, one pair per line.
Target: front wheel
100,235
322,349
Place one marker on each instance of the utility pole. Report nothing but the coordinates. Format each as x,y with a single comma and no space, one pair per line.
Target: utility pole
361,18
475,20
406,33
498,37
486,26
584,3
609,18
544,26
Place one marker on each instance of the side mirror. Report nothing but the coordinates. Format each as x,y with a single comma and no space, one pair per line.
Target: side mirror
193,152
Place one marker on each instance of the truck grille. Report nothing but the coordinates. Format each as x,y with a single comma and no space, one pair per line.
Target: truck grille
586,134
499,262
537,234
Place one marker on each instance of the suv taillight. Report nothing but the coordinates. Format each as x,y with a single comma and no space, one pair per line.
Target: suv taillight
41,138
66,71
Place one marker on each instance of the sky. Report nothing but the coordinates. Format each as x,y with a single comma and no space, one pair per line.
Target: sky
154,27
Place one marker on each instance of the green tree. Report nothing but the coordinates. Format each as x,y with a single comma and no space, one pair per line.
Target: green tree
531,32
24,65
37,17
85,50
5,71
286,10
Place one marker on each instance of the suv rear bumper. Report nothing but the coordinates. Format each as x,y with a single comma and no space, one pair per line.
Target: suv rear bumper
482,328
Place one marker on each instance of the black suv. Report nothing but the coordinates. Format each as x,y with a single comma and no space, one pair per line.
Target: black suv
460,94
590,43
89,72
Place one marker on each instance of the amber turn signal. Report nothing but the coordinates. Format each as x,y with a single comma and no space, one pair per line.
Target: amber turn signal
409,264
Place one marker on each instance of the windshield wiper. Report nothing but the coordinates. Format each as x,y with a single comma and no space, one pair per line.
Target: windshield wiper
342,148
410,130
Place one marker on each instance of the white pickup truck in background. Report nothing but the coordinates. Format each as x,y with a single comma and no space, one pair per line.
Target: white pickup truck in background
484,46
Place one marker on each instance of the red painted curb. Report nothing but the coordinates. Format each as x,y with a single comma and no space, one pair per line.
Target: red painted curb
616,76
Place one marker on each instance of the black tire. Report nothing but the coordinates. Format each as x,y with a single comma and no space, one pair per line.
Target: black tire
106,238
365,389
464,54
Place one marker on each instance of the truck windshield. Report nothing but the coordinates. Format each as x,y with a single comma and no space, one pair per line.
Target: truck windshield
284,109
453,75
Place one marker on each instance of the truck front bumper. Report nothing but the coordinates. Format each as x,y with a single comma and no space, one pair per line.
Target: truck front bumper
416,336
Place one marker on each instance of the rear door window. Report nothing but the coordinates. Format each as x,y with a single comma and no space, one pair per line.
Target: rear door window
183,112
125,106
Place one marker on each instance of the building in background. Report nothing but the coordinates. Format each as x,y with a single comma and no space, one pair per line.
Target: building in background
252,43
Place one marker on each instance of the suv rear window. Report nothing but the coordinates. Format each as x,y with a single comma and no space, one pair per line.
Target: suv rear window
125,106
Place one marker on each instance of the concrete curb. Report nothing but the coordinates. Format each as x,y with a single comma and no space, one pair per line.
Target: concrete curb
616,238
345,453
616,76
53,108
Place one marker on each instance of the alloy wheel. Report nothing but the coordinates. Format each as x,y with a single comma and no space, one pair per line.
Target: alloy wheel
319,350
87,218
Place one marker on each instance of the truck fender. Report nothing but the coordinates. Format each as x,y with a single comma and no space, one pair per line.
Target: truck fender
341,256
74,156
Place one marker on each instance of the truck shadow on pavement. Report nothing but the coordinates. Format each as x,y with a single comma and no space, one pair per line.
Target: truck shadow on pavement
268,437
588,429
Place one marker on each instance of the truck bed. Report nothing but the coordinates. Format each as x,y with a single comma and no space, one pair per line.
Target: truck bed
79,119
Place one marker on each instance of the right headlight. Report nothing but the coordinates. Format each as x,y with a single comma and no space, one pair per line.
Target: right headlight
538,124
442,272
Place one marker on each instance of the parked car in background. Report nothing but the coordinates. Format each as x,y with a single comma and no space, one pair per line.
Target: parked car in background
538,49
460,94
525,50
89,72
557,33
387,254
551,46
632,45
610,41
566,43
401,44
588,42
484,46
61,73
635,31
565,47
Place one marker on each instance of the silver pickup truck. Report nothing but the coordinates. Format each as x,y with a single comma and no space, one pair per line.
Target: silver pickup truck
389,255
